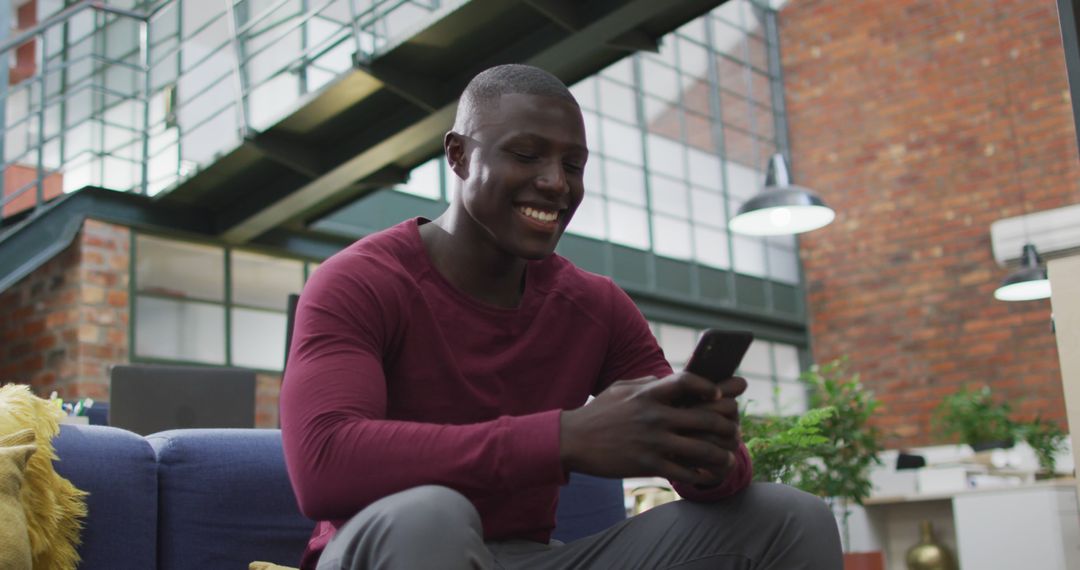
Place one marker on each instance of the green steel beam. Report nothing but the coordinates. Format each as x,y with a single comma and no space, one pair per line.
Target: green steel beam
32,242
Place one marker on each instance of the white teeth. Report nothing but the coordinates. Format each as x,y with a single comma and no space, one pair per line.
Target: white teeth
538,214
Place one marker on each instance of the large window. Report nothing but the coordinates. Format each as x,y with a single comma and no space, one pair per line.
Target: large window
771,369
211,305
680,139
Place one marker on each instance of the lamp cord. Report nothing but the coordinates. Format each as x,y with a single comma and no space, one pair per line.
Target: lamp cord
1013,142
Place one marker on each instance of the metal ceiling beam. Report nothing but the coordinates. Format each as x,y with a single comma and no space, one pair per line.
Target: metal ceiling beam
564,13
412,87
288,152
635,40
301,203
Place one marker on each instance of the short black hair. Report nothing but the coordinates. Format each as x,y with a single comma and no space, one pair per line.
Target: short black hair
484,90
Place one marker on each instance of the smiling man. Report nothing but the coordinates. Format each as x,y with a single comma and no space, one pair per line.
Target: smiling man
434,398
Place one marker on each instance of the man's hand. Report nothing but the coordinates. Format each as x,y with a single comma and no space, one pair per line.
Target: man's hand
634,429
726,406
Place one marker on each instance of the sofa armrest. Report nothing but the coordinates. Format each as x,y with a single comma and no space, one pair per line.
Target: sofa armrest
118,470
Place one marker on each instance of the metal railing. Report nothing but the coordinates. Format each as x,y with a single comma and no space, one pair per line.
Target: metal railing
137,99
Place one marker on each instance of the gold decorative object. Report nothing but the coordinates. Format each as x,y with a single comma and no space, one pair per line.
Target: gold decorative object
928,554
648,497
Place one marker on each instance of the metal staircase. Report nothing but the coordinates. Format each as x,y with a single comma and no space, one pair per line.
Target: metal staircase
247,120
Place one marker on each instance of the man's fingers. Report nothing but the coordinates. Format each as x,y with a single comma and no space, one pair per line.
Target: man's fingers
732,387
696,451
727,407
699,420
672,471
682,387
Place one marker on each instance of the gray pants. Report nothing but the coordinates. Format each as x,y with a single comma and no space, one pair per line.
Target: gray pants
767,526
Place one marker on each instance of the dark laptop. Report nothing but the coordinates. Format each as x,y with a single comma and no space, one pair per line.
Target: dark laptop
148,398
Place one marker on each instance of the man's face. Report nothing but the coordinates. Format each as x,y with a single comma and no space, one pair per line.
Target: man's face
522,178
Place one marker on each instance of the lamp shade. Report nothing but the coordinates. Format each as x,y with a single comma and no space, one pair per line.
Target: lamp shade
781,208
1027,283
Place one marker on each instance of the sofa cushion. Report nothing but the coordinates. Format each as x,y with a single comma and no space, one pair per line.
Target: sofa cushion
119,471
225,500
588,505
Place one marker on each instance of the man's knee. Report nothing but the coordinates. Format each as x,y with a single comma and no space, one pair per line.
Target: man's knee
766,505
423,527
783,500
430,510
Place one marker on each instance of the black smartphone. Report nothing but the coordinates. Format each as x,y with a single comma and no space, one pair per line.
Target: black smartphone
719,353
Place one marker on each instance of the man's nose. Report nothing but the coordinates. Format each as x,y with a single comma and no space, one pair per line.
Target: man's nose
552,178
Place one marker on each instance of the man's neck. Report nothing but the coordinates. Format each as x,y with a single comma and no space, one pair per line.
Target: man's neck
471,263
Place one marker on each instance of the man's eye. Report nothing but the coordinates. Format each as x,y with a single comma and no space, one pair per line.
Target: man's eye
524,156
571,167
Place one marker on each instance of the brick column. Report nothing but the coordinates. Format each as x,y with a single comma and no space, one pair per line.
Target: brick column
62,325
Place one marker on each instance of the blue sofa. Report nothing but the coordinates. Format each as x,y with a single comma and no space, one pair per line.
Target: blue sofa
208,499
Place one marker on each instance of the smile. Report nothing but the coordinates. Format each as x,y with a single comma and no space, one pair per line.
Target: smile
543,216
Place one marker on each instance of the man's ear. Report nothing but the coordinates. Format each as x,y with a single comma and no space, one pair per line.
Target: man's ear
456,154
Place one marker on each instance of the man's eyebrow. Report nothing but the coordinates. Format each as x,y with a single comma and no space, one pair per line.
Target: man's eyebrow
534,137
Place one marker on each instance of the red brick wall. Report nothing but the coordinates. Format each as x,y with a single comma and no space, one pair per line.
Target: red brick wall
921,123
267,393
65,323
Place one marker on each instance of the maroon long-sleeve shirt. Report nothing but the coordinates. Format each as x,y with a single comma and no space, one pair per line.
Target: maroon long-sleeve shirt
396,379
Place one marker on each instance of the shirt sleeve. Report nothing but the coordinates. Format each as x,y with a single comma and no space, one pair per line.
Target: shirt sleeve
340,450
632,350
738,479
633,353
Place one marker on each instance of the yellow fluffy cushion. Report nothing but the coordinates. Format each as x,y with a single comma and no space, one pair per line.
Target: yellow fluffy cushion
268,566
52,505
15,451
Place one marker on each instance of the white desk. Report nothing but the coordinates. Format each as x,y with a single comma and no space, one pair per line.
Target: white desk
1031,527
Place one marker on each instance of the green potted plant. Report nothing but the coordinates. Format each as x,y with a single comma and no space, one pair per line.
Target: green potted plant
1046,439
977,418
779,445
828,450
842,473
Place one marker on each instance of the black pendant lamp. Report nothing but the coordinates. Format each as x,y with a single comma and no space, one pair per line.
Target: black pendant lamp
1027,283
781,208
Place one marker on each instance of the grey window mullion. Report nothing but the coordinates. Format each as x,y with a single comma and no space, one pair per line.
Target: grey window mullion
132,292
748,96
304,63
609,256
178,299
718,136
227,257
684,136
643,128
176,87
780,125
144,47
